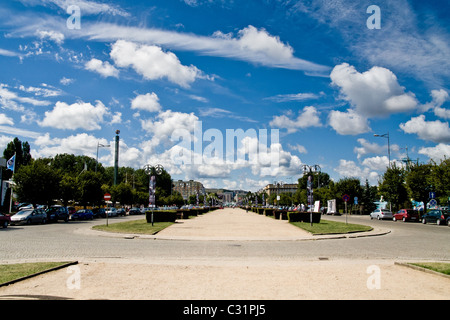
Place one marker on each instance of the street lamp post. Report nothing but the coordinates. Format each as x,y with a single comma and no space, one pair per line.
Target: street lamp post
116,158
386,135
309,186
152,184
99,145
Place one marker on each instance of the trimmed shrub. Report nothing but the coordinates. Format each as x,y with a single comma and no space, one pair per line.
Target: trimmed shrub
295,216
269,211
161,216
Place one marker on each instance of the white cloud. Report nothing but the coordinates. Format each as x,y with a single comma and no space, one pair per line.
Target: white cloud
148,102
66,81
367,148
349,169
87,7
308,117
439,97
79,115
377,163
7,96
348,123
153,63
104,68
55,36
435,131
375,92
439,152
4,119
298,147
251,44
292,97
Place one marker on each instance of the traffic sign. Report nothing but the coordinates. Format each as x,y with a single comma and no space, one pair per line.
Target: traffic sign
432,195
107,197
346,197
355,200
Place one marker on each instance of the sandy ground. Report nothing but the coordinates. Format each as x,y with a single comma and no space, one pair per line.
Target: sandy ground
231,279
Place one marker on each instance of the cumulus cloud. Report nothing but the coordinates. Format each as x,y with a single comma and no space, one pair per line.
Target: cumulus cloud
104,68
153,63
4,119
348,123
79,115
148,102
439,152
308,117
375,92
436,131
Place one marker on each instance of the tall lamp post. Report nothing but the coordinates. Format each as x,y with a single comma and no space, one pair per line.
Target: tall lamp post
149,169
309,186
99,145
116,158
386,135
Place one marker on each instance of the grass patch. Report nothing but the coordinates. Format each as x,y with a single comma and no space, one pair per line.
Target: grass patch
10,272
331,227
442,267
135,227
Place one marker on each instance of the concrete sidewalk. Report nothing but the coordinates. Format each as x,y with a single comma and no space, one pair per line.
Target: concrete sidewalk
237,224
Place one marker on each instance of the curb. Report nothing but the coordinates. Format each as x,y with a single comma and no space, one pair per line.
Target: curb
38,273
411,266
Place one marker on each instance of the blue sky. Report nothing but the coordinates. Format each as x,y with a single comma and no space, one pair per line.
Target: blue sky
311,71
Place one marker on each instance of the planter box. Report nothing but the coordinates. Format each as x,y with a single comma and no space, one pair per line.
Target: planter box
304,217
161,216
269,212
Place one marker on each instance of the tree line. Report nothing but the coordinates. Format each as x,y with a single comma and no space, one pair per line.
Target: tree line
398,186
70,179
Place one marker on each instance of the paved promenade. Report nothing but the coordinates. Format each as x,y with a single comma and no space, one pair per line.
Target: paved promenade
223,275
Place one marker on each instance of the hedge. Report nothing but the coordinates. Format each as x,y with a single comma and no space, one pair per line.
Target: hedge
295,216
161,216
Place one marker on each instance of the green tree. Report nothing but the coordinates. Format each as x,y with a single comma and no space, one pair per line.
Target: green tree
368,197
90,188
68,188
122,193
419,182
393,187
37,183
441,181
22,152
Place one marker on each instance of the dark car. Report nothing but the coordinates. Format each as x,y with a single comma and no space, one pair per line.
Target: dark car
55,213
121,212
435,216
406,215
99,213
83,214
4,220
134,211
29,216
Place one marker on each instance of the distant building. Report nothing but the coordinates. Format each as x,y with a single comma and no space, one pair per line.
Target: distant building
279,188
188,188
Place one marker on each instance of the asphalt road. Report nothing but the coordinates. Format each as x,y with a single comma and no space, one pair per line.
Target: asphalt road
64,241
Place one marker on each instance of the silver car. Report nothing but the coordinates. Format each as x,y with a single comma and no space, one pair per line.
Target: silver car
381,214
29,216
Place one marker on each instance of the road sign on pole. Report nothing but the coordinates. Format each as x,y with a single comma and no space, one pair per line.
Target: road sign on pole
107,197
346,197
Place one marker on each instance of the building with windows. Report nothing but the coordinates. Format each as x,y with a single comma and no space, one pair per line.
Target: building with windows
278,188
188,188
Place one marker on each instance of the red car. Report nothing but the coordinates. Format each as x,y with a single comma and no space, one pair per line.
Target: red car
4,220
406,215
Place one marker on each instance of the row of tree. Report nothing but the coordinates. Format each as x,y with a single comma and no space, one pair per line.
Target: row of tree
81,180
398,186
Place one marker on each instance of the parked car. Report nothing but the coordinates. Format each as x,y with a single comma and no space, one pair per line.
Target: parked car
29,216
436,216
111,212
381,214
71,210
99,212
55,213
4,220
406,215
134,211
121,212
448,221
83,214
